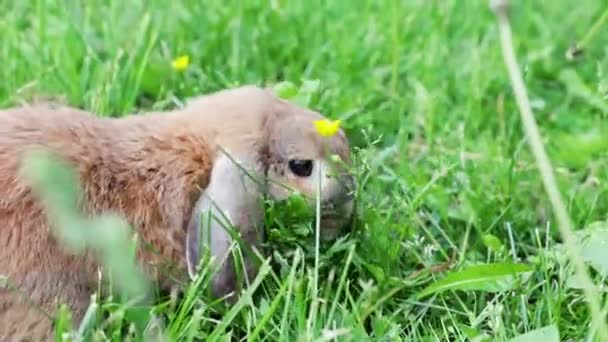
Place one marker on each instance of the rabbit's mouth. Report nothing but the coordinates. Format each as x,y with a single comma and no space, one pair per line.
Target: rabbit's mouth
336,218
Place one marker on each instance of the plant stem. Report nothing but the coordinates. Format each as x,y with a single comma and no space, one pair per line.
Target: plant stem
544,165
596,26
314,305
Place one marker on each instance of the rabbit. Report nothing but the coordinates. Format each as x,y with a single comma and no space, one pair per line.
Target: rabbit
162,171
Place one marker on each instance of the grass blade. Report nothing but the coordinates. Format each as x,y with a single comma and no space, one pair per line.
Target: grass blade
487,277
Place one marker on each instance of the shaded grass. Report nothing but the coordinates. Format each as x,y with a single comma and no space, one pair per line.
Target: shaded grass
426,80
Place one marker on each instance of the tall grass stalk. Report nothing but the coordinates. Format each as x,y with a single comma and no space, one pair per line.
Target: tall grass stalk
546,170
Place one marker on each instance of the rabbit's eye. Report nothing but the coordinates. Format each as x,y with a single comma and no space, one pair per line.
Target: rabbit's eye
301,167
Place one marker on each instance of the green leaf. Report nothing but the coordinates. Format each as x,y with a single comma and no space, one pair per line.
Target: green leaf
594,246
285,90
473,334
549,333
579,149
492,242
301,96
376,271
593,243
495,277
577,87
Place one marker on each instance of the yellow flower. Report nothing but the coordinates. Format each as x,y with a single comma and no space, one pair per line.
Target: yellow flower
181,63
327,128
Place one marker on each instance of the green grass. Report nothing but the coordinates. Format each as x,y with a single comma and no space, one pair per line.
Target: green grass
425,98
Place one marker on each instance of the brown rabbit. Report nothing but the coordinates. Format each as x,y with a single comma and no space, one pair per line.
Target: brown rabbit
160,171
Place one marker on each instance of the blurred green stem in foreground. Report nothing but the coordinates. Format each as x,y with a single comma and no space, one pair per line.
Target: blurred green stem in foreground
108,235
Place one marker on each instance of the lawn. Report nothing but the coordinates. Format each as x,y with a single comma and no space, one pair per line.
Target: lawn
447,180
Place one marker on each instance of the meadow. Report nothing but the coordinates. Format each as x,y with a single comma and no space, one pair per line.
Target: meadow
455,237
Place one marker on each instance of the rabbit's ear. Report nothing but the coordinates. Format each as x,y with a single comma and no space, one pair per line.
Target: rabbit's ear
229,212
